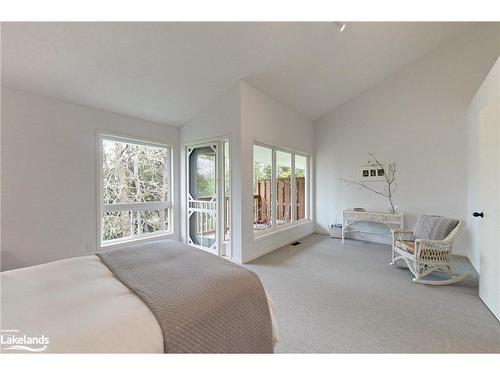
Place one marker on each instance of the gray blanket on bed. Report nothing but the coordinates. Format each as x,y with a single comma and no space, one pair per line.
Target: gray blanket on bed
203,303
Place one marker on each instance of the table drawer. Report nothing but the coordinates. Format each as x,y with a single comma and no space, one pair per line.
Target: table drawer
378,218
393,219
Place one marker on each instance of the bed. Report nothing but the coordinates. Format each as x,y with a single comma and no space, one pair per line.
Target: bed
159,297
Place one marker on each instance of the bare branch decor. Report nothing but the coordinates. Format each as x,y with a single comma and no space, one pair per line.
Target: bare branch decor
390,184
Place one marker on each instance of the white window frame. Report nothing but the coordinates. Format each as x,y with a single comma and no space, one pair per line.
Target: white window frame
141,206
293,220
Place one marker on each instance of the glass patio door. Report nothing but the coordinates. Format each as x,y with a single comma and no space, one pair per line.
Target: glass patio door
203,191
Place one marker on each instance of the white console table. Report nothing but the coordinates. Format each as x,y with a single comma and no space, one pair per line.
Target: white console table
393,221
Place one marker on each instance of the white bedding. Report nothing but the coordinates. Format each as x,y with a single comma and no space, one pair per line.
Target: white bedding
81,307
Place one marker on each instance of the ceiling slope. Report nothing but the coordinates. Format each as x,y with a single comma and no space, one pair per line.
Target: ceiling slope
168,72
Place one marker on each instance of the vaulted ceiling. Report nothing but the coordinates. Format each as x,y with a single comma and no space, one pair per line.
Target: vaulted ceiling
167,72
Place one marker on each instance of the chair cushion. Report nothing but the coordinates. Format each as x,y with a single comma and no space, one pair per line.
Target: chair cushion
408,246
433,227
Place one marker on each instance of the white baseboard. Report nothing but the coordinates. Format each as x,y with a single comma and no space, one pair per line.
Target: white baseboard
290,237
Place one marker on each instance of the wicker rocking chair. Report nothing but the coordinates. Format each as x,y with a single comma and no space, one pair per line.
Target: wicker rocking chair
427,249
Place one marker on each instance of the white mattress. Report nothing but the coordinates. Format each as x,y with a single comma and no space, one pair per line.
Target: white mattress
81,307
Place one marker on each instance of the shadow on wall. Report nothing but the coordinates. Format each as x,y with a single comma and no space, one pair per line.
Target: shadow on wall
8,258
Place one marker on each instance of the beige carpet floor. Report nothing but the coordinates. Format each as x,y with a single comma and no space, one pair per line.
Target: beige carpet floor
333,298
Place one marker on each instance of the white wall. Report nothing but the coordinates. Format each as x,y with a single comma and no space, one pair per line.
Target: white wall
266,120
49,208
488,93
245,114
222,118
415,118
53,143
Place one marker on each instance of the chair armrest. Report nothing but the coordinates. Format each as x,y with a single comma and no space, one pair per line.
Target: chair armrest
401,235
432,248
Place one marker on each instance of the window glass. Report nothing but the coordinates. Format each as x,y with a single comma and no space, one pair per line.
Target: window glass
262,172
283,187
300,186
134,173
135,190
205,174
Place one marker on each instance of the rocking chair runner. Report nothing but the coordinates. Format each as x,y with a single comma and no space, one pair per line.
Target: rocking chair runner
427,248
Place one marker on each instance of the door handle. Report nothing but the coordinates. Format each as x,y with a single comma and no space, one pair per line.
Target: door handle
476,214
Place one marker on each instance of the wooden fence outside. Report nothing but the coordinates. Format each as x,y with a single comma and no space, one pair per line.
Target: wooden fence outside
262,205
262,200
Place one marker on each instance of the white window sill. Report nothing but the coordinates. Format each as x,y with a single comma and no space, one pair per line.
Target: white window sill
269,233
130,241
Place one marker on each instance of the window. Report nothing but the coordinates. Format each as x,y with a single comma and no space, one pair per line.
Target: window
283,187
280,181
262,183
227,193
300,186
205,173
135,190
